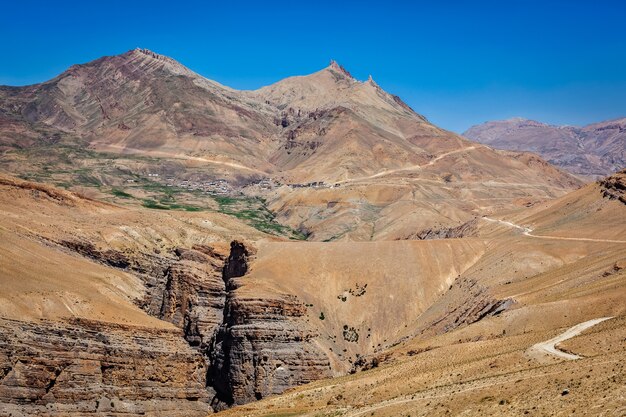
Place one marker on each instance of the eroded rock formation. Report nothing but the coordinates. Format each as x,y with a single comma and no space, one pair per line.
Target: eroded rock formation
614,187
466,229
237,263
470,302
264,345
244,345
84,367
194,295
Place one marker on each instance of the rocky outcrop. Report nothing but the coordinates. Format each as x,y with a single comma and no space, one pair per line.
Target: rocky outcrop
84,367
194,295
614,187
263,348
470,302
237,263
467,229
335,66
264,345
110,257
481,308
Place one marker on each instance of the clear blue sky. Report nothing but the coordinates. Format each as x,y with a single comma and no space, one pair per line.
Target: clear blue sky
458,63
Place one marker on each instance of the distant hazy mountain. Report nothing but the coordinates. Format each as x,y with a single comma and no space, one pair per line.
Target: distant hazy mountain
593,150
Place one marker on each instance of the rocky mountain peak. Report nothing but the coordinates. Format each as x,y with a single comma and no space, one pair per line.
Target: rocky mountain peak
371,82
334,65
146,56
149,53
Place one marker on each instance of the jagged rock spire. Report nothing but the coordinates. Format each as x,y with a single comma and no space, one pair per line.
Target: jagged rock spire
334,65
371,82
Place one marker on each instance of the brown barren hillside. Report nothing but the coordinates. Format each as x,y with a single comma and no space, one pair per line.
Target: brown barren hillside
590,211
293,312
472,352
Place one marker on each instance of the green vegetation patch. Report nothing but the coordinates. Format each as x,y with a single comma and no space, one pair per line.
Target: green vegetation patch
151,204
120,193
159,205
254,211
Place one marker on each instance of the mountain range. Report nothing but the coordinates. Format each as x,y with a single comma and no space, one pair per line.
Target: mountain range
591,151
325,128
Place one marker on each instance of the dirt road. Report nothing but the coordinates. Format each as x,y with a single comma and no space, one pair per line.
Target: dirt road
162,154
527,231
409,168
549,346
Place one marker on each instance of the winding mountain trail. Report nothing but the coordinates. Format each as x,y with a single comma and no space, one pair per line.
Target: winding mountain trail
162,154
527,231
409,168
549,346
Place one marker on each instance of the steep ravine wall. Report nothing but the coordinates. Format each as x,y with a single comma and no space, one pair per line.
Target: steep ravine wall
86,367
194,294
231,348
253,346
264,345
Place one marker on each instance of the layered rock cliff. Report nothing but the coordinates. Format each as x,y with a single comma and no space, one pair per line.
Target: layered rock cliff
467,229
231,347
264,345
253,346
194,295
87,367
